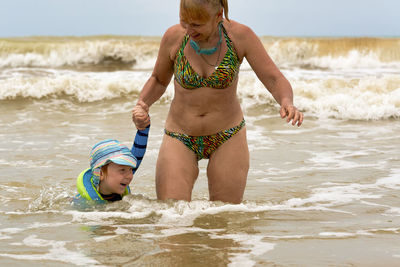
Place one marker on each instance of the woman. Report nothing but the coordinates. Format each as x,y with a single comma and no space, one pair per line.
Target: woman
205,119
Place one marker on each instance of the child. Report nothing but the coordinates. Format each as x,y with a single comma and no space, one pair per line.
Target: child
112,166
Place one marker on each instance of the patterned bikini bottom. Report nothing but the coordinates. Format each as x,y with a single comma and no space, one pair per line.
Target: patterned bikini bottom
204,146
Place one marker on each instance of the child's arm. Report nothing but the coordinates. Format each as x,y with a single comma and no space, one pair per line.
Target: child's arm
141,110
140,115
139,146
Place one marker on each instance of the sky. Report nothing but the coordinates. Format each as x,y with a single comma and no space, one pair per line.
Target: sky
308,18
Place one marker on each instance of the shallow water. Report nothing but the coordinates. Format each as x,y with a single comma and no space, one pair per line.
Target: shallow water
324,194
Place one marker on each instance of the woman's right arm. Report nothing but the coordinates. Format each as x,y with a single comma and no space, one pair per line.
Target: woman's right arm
156,85
159,80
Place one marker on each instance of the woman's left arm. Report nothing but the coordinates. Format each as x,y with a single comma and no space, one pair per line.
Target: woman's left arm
269,74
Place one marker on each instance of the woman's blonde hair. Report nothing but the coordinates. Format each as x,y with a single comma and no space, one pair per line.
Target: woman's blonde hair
195,9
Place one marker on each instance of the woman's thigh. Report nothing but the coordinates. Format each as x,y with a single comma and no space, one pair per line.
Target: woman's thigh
176,170
228,168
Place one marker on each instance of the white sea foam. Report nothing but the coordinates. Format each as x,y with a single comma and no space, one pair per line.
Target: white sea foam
106,216
342,194
57,252
340,83
133,53
38,164
84,86
336,234
338,53
370,97
345,234
367,98
182,214
393,211
7,232
103,238
140,52
252,243
392,181
338,159
354,59
184,230
334,195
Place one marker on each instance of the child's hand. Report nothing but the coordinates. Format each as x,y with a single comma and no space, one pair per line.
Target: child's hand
140,115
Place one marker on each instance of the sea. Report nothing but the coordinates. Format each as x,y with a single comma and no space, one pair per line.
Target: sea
323,194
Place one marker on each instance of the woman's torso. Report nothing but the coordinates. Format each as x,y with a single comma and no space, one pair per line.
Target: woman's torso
206,102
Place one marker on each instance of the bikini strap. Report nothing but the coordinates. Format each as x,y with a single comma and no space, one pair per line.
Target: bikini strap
183,44
229,42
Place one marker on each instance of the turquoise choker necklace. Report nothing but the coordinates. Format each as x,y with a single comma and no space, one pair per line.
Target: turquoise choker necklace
207,51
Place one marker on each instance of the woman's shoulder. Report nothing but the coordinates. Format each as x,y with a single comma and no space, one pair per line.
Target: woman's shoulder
241,36
238,30
172,38
173,34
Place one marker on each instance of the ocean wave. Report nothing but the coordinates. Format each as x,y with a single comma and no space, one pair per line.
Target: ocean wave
102,53
82,86
110,53
371,97
367,98
353,78
335,53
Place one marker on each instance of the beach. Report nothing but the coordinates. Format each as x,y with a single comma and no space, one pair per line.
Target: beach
323,194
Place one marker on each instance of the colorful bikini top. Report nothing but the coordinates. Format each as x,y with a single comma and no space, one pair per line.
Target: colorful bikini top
221,78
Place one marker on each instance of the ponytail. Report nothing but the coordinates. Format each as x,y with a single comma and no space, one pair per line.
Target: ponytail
224,4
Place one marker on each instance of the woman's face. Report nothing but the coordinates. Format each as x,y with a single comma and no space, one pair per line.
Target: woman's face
117,179
200,30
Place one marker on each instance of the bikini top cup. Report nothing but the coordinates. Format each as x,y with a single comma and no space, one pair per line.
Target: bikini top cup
221,78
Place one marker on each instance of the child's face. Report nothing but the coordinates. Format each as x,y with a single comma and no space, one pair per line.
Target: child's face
118,177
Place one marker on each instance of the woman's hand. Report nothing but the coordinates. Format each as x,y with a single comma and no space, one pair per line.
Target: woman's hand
292,114
140,115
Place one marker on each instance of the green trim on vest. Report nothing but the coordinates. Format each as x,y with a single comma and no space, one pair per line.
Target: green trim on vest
83,191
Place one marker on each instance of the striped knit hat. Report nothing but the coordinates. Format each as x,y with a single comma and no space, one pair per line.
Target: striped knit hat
108,151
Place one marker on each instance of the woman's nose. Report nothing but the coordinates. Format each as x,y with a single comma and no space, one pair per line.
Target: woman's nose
189,30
